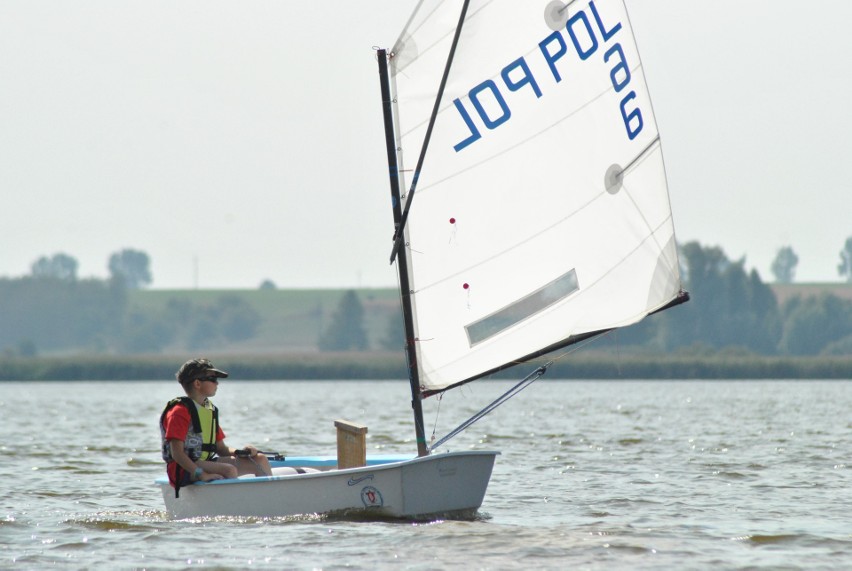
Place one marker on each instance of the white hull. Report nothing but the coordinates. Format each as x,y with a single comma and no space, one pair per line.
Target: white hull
442,485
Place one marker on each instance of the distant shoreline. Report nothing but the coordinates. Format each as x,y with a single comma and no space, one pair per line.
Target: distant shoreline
390,366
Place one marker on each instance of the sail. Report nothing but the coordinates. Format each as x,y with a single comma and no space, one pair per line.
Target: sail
541,212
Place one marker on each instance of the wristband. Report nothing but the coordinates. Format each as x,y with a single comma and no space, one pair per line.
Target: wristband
197,474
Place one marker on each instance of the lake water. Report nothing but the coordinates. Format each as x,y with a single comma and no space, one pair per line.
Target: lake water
593,475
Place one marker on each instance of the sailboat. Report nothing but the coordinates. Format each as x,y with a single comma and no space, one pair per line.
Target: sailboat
531,212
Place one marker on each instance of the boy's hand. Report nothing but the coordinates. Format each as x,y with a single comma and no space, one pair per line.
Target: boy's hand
248,451
207,477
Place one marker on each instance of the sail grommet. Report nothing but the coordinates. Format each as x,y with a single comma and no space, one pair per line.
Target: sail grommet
613,179
556,15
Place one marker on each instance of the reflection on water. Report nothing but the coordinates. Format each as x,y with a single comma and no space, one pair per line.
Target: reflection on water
598,475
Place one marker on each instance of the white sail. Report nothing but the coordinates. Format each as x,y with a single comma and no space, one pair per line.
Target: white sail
541,211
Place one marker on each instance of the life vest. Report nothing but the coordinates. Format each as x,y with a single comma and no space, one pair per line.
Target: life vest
200,441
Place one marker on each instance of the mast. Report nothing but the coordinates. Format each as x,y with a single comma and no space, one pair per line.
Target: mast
402,260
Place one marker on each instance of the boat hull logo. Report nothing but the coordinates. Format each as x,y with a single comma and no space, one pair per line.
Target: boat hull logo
354,481
371,497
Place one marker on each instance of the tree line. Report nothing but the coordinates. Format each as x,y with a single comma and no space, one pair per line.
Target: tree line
732,309
786,260
47,314
52,310
132,268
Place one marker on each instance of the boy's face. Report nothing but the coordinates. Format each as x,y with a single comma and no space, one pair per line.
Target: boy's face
207,386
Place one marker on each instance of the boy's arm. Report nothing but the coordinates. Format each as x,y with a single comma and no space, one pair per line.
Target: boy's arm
184,461
181,457
223,449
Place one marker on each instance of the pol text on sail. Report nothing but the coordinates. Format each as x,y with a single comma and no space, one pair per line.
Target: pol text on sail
587,34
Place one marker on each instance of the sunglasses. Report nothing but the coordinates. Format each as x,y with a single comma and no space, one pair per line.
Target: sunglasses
210,379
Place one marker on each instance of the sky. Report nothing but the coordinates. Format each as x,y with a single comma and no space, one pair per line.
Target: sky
238,142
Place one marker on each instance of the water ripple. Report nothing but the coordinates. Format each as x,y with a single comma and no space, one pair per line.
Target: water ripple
644,475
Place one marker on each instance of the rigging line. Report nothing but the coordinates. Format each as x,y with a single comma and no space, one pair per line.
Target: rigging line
400,234
437,414
565,7
435,8
642,154
577,346
640,158
524,383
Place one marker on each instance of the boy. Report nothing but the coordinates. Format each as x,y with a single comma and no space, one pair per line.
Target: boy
191,435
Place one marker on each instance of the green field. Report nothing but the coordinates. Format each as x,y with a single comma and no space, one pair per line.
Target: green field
291,320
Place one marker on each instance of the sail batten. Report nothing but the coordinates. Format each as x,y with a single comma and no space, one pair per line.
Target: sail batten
682,297
542,213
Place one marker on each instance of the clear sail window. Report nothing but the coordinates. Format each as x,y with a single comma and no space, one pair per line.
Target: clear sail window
525,307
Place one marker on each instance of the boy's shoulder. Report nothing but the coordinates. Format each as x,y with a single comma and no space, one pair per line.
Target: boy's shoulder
185,401
181,406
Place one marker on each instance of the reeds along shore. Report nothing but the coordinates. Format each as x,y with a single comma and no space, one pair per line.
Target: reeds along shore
391,366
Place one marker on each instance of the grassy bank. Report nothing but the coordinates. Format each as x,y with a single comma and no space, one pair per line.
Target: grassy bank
291,320
390,365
